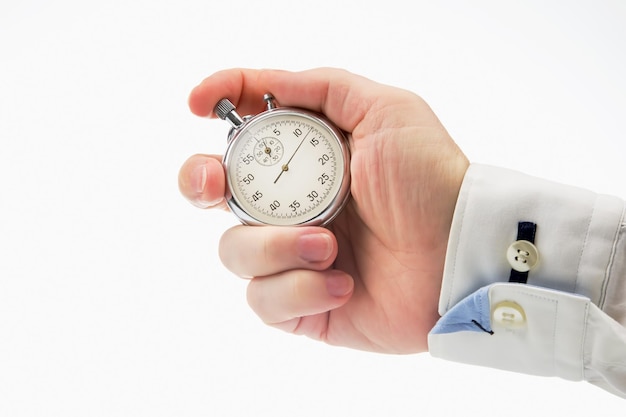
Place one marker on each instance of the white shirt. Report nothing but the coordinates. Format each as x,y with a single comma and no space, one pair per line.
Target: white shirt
569,319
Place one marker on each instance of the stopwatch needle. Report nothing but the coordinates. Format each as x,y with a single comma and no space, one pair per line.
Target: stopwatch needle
286,166
267,149
283,169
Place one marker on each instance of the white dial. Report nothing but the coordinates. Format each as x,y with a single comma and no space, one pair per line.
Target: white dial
287,167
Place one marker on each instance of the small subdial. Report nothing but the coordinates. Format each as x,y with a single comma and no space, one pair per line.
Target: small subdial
268,151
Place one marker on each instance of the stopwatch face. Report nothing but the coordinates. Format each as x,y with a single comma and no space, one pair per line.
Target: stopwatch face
287,167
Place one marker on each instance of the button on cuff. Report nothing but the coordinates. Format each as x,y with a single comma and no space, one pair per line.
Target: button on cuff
509,315
522,256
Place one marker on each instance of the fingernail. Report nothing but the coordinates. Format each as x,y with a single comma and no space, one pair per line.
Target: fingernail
339,284
317,247
198,178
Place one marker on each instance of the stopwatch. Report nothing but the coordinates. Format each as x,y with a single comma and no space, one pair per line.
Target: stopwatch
285,166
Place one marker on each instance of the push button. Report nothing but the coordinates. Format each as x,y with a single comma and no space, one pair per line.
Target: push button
509,315
522,255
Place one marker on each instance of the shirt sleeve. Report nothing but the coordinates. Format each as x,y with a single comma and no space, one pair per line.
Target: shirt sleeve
568,319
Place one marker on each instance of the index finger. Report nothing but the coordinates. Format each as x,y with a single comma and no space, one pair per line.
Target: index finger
342,96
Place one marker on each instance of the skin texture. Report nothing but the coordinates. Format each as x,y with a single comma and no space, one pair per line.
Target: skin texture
371,280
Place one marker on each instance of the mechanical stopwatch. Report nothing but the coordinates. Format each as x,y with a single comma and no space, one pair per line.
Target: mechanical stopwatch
285,166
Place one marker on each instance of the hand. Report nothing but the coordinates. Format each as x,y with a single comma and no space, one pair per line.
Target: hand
371,280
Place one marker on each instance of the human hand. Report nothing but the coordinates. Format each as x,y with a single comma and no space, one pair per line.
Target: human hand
371,280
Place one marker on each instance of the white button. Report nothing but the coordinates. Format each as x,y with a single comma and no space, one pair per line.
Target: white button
522,255
509,314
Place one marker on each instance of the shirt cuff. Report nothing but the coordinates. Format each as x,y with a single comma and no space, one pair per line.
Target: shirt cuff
568,321
536,331
575,237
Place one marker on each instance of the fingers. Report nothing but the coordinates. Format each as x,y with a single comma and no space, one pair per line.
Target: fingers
342,96
201,180
261,251
282,300
292,279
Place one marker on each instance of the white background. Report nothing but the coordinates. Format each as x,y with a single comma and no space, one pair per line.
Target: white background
112,299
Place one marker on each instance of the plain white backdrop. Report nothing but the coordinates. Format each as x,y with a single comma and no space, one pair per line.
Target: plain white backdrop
112,299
